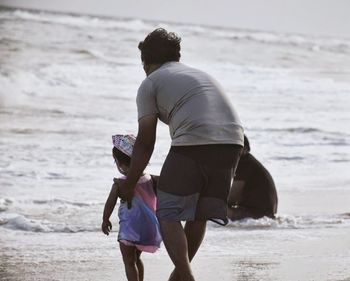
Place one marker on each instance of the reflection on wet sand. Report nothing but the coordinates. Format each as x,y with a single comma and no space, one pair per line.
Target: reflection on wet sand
250,270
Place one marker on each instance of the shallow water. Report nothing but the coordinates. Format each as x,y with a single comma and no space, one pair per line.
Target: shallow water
69,82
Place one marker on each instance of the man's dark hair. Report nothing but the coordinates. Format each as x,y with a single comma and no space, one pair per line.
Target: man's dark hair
160,46
121,157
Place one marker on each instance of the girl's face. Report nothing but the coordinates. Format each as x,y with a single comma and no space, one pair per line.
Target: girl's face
123,169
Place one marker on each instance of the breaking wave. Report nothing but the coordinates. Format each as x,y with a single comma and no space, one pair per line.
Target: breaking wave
34,225
22,223
293,222
334,45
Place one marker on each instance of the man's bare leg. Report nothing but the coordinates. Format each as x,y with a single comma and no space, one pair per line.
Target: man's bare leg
194,231
175,242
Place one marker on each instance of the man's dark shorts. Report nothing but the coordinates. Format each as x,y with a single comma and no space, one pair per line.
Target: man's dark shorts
195,182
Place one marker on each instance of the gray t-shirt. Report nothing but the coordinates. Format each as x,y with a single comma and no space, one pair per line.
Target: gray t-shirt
193,105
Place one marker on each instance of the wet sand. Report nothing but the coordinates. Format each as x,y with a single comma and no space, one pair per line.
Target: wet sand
77,257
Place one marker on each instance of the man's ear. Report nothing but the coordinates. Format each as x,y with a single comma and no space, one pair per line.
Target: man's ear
149,68
146,68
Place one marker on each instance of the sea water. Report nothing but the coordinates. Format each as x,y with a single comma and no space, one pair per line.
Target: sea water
68,82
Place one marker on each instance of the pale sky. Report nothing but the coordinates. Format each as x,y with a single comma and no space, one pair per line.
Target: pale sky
316,17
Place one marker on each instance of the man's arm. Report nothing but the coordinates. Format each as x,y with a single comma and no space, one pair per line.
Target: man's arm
142,152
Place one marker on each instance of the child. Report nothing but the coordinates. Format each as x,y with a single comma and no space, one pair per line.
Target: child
138,226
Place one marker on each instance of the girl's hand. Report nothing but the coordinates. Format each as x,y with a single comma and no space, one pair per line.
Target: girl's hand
106,227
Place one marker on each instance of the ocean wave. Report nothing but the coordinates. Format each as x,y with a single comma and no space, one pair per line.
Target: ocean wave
317,143
50,215
5,203
335,141
33,225
286,158
82,21
20,174
91,53
299,130
293,222
10,43
56,176
53,113
311,43
29,131
23,223
340,160
314,44
65,202
303,130
94,54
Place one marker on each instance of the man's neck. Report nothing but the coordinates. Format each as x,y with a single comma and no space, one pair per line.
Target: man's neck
151,68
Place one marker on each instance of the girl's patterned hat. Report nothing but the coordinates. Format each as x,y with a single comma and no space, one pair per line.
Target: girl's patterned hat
124,143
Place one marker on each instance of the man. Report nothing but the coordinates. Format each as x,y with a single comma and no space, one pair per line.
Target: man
207,139
253,193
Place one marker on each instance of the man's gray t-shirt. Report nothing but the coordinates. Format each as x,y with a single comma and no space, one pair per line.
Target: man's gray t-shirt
193,105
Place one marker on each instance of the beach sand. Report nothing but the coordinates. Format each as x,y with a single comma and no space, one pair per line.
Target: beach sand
77,257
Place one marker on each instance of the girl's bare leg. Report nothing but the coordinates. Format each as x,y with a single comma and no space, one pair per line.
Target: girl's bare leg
139,265
130,262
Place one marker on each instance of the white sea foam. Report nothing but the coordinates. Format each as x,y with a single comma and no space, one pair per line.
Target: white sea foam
21,223
5,203
292,222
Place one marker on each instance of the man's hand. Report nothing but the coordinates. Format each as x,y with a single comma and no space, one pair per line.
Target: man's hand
143,148
106,227
126,192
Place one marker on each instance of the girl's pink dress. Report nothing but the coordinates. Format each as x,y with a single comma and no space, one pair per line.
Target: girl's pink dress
138,226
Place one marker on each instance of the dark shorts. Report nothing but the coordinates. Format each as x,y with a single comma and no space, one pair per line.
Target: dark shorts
195,182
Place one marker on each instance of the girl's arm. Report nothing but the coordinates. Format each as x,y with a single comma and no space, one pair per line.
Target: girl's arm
109,207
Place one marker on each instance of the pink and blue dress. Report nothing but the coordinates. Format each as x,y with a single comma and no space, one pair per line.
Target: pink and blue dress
138,226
